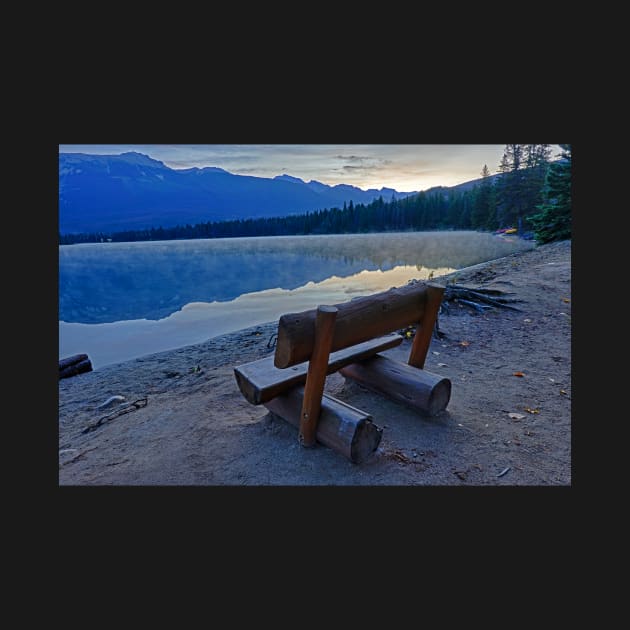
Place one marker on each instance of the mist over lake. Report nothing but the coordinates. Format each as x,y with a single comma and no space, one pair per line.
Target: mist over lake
121,300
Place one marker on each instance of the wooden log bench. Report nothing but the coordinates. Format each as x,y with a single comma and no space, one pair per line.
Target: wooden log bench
348,338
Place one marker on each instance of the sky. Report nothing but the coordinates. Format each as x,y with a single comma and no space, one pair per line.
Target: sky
404,167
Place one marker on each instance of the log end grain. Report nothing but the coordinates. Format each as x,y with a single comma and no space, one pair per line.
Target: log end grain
365,441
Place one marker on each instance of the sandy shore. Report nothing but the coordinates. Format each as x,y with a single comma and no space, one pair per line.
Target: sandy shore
193,427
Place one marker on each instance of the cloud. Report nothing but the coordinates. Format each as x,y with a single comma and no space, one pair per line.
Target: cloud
354,158
361,166
364,159
258,169
351,168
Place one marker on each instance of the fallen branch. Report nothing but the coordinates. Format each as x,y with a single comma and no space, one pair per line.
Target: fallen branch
479,299
461,287
75,457
137,404
481,308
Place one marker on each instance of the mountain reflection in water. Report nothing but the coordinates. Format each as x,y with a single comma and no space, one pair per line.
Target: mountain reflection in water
109,282
119,301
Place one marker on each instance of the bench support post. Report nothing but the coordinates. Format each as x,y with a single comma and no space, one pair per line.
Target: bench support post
424,329
421,390
341,427
316,375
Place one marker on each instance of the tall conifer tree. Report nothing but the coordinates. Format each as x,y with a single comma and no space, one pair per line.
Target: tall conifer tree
553,222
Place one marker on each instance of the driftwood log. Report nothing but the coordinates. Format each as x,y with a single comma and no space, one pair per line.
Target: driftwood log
76,364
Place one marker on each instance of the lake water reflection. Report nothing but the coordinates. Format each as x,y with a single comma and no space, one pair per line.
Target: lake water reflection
122,300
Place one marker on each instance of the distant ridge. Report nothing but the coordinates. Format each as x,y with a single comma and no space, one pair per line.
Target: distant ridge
133,191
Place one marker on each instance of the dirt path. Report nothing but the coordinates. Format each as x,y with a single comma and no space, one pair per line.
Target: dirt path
197,429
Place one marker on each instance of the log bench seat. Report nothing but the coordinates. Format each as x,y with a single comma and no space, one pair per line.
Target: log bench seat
260,381
348,338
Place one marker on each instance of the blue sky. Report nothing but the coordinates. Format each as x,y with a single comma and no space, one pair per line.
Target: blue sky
405,167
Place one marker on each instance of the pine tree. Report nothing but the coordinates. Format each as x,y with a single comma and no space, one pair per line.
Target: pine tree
483,212
553,222
523,168
536,165
509,187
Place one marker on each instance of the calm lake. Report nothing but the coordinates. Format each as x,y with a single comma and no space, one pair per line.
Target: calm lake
118,301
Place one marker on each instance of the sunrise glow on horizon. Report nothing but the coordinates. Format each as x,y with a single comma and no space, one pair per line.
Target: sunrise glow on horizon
403,167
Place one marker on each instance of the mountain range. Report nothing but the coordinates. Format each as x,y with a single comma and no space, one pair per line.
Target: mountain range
131,191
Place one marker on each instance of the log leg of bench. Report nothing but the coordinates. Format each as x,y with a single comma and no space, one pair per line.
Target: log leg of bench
316,375
421,390
341,427
424,329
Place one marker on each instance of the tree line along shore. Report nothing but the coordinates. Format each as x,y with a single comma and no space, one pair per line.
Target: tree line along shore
530,194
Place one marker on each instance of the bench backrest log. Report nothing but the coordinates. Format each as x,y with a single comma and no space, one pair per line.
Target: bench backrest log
362,319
